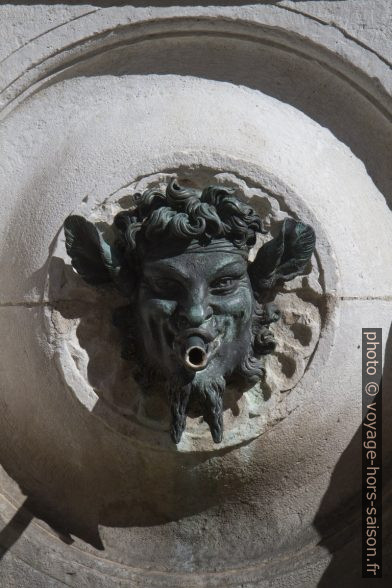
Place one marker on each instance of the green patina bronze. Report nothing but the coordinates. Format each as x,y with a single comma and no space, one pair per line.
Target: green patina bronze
198,313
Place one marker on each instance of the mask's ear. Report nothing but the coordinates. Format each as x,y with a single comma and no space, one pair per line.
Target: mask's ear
284,257
94,259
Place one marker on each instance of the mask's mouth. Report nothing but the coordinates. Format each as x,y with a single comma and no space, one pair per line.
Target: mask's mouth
195,353
194,348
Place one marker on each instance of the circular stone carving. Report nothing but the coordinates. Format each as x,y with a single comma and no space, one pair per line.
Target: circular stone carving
89,346
289,470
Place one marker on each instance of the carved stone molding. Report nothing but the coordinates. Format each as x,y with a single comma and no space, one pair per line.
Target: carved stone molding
289,103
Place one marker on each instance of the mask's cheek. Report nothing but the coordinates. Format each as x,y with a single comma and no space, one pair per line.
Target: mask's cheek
158,308
154,314
237,308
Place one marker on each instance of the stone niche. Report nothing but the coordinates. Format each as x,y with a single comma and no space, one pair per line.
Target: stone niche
290,103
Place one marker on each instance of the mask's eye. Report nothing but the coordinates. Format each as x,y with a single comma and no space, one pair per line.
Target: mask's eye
223,285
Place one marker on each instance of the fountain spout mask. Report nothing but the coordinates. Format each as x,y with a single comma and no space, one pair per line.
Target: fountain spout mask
198,313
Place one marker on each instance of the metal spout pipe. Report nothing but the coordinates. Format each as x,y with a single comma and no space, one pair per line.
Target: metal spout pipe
195,354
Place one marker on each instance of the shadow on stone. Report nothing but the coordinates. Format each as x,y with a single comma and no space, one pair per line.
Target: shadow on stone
340,527
101,479
14,528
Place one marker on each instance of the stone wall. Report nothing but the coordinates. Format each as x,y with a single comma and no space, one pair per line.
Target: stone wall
290,102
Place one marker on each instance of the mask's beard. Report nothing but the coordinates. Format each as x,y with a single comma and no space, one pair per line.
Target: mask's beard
187,395
208,396
179,398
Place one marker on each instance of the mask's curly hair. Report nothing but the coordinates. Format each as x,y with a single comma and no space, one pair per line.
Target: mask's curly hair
186,214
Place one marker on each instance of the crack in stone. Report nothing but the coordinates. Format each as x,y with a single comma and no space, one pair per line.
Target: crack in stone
25,304
51,303
387,298
46,32
37,304
335,26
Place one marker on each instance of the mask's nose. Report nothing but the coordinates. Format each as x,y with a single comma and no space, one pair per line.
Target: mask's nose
194,312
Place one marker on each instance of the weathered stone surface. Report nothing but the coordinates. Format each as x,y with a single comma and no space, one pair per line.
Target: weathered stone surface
291,102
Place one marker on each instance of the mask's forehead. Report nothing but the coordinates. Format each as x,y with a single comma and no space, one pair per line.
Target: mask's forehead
174,248
196,259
